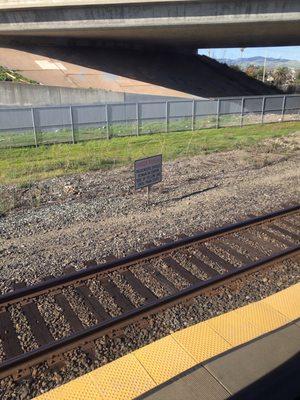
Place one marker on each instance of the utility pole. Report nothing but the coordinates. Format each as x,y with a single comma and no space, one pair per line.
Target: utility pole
265,65
242,51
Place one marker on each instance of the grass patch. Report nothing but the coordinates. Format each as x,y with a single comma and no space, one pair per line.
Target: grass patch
25,165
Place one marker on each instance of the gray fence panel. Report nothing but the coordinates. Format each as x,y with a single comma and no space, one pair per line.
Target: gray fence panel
292,108
273,104
253,105
180,109
14,118
292,102
205,107
122,112
152,110
52,117
229,106
89,114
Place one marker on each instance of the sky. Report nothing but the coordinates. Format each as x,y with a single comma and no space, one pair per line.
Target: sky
287,52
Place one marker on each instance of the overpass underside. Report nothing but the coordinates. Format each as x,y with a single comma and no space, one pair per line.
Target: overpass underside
133,71
141,46
171,23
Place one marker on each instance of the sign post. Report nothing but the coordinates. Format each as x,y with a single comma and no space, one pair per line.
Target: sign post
147,172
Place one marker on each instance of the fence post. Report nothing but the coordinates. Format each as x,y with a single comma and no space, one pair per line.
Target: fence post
34,127
263,110
242,112
283,108
218,114
167,116
193,115
107,121
72,125
137,119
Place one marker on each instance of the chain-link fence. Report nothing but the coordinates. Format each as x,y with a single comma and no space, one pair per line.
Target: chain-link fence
47,125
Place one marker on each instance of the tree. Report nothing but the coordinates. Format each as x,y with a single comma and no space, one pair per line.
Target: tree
281,75
236,67
254,71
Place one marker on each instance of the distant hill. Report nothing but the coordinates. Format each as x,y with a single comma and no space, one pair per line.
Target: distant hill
259,61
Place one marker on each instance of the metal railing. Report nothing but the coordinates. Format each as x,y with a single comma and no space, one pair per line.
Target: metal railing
25,126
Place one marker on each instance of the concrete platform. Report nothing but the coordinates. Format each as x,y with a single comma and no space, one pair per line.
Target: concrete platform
248,353
267,368
196,384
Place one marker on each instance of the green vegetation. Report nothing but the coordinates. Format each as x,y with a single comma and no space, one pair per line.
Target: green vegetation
19,138
25,165
8,75
278,76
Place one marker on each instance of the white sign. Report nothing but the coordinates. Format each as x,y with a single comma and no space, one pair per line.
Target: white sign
148,171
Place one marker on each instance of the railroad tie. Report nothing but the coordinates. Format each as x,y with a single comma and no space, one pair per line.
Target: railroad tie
263,242
8,336
69,314
285,232
226,265
171,288
137,286
252,250
291,224
232,251
166,240
92,303
90,264
36,322
111,258
203,267
90,300
182,236
150,245
180,270
122,301
279,238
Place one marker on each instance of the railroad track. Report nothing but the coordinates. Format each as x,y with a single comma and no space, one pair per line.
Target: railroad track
161,276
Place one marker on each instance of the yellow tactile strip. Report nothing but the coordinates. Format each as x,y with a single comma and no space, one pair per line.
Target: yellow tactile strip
143,369
201,341
156,359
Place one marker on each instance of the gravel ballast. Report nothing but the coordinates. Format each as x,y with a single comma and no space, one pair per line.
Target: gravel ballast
90,216
226,298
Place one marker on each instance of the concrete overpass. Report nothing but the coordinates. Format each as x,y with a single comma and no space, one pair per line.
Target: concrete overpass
171,23
122,45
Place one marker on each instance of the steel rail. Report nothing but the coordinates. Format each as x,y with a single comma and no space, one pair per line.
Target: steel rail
62,281
83,338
